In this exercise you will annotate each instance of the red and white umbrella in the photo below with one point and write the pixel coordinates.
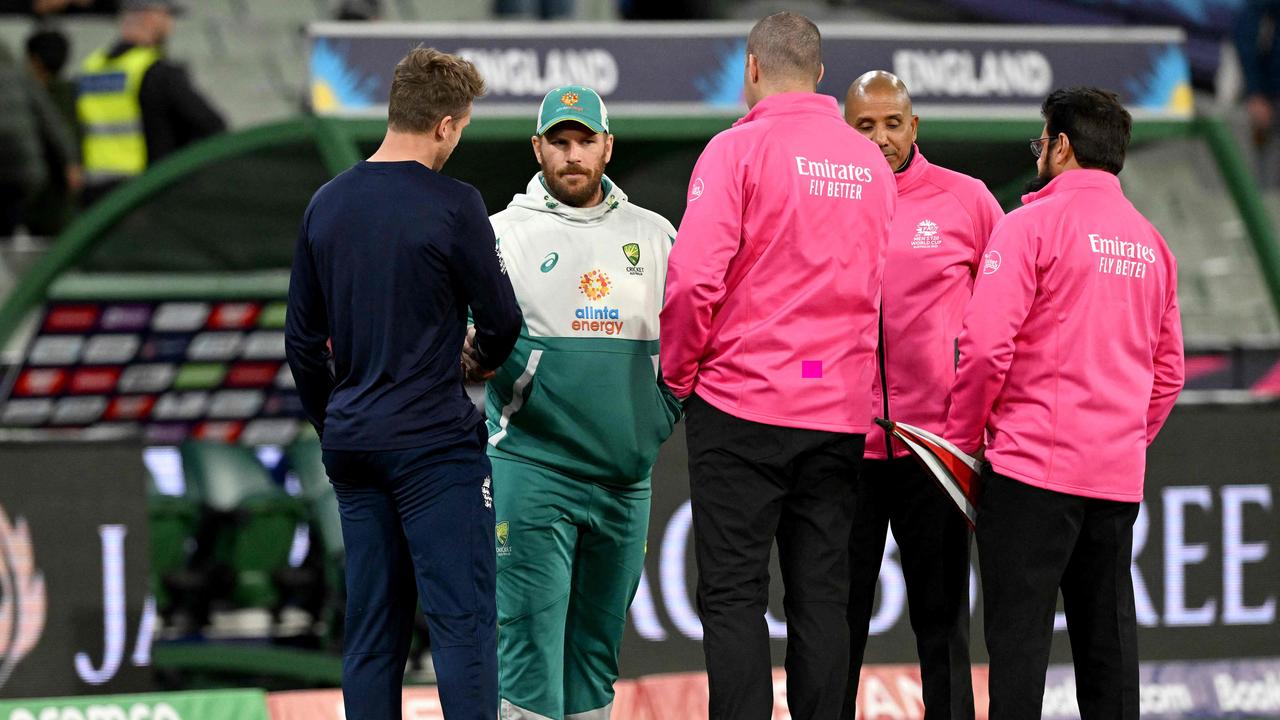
(955, 471)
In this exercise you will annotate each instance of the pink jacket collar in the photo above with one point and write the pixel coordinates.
(791, 102)
(1075, 180)
(914, 172)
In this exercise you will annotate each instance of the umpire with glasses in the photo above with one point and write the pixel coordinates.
(1070, 361)
(391, 256)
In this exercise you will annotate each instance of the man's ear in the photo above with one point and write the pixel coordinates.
(443, 128)
(608, 148)
(1064, 151)
(822, 69)
(537, 148)
(753, 68)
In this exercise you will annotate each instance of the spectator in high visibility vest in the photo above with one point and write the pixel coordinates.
(134, 106)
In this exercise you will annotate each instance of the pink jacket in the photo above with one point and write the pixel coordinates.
(1071, 353)
(940, 231)
(774, 280)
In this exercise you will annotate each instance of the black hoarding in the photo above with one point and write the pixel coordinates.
(1206, 570)
(74, 616)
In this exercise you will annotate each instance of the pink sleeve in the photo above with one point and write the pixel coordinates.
(1169, 370)
(1002, 297)
(709, 237)
(988, 213)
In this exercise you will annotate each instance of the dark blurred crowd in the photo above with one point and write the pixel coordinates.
(68, 135)
(1257, 41)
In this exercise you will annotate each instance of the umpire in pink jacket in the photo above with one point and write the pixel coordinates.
(940, 231)
(769, 331)
(1070, 361)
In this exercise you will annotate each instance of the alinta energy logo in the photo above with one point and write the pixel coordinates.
(595, 285)
(22, 595)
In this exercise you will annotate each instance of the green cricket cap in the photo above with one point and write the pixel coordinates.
(573, 102)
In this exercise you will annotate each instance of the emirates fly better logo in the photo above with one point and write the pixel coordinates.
(22, 596)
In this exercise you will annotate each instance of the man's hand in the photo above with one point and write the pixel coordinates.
(471, 369)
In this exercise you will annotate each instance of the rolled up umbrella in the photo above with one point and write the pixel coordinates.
(955, 471)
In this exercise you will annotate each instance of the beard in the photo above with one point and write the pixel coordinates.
(1042, 178)
(578, 194)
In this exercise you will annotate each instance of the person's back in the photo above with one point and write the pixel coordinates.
(398, 382)
(794, 342)
(768, 334)
(1071, 359)
(390, 258)
(1106, 282)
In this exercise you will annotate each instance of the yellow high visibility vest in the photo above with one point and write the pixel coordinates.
(110, 115)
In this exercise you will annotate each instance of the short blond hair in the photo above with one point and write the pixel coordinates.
(428, 86)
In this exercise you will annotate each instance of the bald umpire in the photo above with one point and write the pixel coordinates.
(940, 231)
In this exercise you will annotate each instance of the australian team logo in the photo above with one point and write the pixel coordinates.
(502, 531)
(22, 595)
(631, 251)
(569, 98)
(595, 284)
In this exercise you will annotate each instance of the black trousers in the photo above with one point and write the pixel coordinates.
(1031, 543)
(751, 483)
(933, 543)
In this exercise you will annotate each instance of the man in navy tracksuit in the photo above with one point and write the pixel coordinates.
(390, 258)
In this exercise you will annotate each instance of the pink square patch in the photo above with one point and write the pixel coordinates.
(810, 368)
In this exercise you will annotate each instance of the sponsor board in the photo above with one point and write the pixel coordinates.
(1206, 567)
(887, 691)
(74, 614)
(206, 705)
(673, 68)
(170, 370)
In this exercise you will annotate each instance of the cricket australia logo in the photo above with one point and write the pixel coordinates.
(22, 596)
(927, 235)
(502, 532)
(631, 251)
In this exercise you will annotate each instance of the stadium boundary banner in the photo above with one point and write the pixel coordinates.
(1206, 570)
(74, 610)
(207, 705)
(418, 703)
(696, 68)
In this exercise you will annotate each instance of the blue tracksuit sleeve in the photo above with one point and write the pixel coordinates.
(476, 263)
(306, 334)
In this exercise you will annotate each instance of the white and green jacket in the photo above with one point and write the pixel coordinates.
(582, 393)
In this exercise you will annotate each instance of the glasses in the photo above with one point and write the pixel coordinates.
(1038, 145)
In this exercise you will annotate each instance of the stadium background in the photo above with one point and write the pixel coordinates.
(166, 526)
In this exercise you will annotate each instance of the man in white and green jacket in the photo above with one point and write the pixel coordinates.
(576, 416)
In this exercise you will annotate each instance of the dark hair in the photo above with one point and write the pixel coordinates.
(787, 45)
(428, 86)
(50, 47)
(1095, 122)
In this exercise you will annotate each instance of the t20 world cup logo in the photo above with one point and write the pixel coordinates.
(22, 595)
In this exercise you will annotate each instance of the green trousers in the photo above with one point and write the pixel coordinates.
(570, 554)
